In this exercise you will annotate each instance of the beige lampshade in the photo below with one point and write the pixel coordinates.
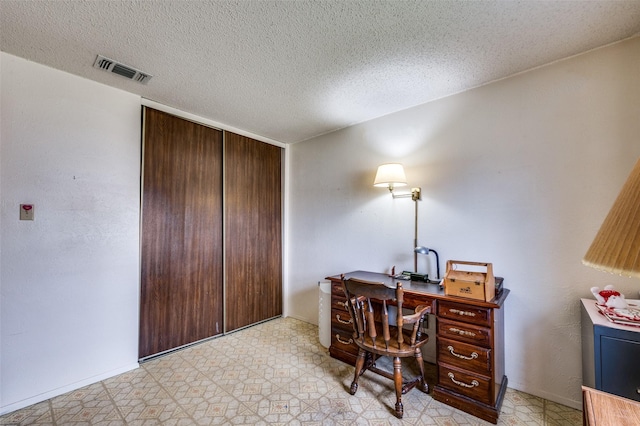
(616, 248)
(390, 175)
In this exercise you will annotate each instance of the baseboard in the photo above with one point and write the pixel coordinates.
(577, 405)
(307, 320)
(64, 389)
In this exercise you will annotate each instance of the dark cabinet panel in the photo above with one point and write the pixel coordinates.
(620, 363)
(181, 249)
(610, 353)
(253, 231)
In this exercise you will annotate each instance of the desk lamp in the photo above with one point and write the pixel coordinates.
(616, 248)
(425, 250)
(392, 175)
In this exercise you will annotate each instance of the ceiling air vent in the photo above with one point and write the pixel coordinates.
(131, 73)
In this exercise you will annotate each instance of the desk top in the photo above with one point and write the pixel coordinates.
(605, 409)
(431, 290)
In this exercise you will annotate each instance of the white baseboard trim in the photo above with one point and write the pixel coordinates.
(64, 389)
(308, 320)
(548, 396)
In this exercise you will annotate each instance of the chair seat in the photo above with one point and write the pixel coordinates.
(379, 347)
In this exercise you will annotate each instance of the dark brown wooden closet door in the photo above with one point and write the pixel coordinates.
(181, 282)
(253, 231)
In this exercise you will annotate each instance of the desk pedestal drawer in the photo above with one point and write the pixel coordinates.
(465, 356)
(343, 340)
(342, 318)
(465, 313)
(464, 332)
(465, 383)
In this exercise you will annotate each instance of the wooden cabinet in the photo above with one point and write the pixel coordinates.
(469, 343)
(211, 232)
(470, 358)
(610, 353)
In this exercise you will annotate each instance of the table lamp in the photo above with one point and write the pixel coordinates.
(427, 250)
(616, 248)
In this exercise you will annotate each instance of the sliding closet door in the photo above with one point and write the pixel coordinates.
(253, 231)
(181, 282)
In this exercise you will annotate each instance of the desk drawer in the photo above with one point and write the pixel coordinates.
(341, 318)
(412, 301)
(342, 339)
(338, 299)
(468, 333)
(465, 383)
(464, 355)
(337, 290)
(339, 303)
(466, 313)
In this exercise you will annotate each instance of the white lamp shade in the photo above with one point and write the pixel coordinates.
(390, 175)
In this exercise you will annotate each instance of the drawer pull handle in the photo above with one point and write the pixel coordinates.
(344, 342)
(474, 355)
(341, 321)
(462, 332)
(463, 313)
(473, 384)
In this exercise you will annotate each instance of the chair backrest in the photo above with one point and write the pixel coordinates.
(368, 303)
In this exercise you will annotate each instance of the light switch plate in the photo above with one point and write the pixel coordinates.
(26, 211)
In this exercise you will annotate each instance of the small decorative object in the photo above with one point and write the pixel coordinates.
(477, 282)
(612, 304)
(609, 297)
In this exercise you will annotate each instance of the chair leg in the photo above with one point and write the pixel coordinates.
(359, 365)
(423, 386)
(397, 380)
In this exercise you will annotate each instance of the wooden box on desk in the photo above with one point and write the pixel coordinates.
(472, 284)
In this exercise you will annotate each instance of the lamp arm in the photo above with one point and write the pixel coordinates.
(437, 263)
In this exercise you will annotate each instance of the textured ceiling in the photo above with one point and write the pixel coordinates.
(291, 70)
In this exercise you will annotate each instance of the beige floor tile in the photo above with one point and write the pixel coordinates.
(275, 373)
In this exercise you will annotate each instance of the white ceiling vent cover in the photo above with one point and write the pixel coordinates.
(131, 73)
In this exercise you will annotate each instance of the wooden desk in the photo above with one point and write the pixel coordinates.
(605, 409)
(469, 342)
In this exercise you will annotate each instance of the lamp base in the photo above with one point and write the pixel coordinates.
(413, 276)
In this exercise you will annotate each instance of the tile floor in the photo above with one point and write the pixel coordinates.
(275, 373)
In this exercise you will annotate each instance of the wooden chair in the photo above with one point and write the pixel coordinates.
(368, 303)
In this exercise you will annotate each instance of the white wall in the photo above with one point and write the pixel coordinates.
(519, 173)
(69, 280)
